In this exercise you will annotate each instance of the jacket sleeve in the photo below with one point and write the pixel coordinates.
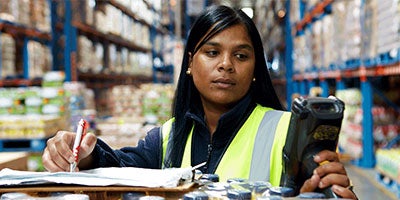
(146, 154)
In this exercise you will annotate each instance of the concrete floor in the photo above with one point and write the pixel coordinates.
(366, 184)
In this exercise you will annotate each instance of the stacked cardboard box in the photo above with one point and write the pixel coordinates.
(388, 24)
(40, 59)
(7, 44)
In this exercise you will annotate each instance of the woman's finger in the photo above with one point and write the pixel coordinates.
(326, 155)
(334, 179)
(330, 168)
(344, 192)
(49, 164)
(310, 184)
(87, 145)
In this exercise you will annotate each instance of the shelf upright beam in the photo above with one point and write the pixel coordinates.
(70, 33)
(303, 88)
(296, 88)
(154, 55)
(25, 59)
(340, 85)
(368, 157)
(188, 19)
(55, 49)
(311, 83)
(1, 58)
(67, 35)
(325, 88)
(288, 58)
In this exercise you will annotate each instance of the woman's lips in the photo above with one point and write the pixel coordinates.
(224, 82)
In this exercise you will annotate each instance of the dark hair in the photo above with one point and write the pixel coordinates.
(212, 21)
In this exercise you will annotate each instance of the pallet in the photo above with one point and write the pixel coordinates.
(352, 63)
(29, 145)
(370, 62)
(388, 58)
(389, 183)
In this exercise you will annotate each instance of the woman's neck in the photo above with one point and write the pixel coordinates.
(212, 115)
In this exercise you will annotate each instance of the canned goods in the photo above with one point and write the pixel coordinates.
(239, 194)
(132, 195)
(151, 198)
(280, 191)
(210, 177)
(312, 195)
(196, 195)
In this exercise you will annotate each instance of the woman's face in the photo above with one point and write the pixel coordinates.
(223, 68)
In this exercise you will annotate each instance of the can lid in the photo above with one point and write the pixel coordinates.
(239, 194)
(236, 180)
(76, 196)
(282, 191)
(210, 177)
(151, 198)
(273, 197)
(220, 186)
(311, 195)
(196, 195)
(132, 195)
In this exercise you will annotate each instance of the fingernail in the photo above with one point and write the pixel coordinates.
(335, 188)
(314, 178)
(321, 184)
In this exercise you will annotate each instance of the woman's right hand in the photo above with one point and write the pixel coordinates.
(58, 156)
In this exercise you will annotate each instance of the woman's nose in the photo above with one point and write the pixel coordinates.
(226, 64)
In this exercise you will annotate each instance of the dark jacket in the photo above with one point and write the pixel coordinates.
(147, 154)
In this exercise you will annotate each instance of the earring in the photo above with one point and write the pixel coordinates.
(188, 72)
(254, 79)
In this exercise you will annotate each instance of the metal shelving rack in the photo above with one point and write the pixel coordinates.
(71, 29)
(23, 33)
(301, 82)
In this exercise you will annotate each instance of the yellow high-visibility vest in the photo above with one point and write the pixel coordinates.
(254, 154)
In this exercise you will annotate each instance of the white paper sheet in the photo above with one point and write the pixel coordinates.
(125, 176)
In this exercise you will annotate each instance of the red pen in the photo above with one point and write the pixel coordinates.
(80, 132)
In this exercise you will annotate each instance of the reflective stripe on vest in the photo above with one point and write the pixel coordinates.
(256, 151)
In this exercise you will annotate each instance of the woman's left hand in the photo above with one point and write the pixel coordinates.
(332, 174)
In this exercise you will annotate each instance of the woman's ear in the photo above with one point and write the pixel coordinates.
(190, 58)
(188, 71)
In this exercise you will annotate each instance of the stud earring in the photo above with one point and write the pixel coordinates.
(188, 72)
(254, 79)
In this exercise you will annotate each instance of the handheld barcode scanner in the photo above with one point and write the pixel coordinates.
(314, 126)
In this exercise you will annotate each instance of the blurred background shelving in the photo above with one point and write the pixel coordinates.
(115, 62)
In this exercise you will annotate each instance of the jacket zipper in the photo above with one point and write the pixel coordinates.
(209, 149)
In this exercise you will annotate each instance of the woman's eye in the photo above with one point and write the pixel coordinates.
(212, 53)
(241, 56)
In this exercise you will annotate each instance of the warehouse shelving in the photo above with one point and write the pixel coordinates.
(73, 28)
(68, 29)
(62, 38)
(22, 34)
(22, 30)
(363, 70)
(269, 17)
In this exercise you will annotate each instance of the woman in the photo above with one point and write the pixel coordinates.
(226, 114)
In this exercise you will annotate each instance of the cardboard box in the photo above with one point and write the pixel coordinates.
(14, 160)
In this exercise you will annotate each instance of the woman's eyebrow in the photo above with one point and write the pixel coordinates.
(245, 46)
(212, 43)
(240, 46)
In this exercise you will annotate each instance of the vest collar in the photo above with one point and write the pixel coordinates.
(228, 122)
